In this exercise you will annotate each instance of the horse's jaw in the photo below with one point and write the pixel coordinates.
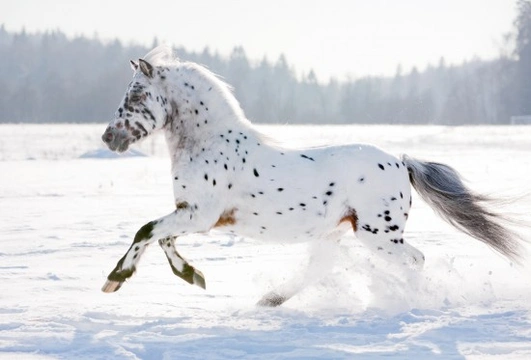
(120, 148)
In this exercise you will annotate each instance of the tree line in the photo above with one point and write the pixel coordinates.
(48, 77)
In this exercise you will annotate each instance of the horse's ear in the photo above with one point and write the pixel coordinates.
(146, 68)
(134, 65)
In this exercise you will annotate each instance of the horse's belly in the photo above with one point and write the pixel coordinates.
(282, 227)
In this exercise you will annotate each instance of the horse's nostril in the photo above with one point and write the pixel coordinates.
(107, 137)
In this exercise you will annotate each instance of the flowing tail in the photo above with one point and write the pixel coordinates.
(441, 187)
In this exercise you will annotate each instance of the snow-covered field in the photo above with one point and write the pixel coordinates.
(68, 213)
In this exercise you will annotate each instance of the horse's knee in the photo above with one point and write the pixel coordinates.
(145, 232)
(166, 243)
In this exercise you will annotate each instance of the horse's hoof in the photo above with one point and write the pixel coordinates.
(272, 299)
(111, 286)
(199, 279)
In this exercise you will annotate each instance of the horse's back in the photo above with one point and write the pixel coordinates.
(365, 174)
(350, 166)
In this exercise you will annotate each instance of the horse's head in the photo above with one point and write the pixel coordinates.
(143, 110)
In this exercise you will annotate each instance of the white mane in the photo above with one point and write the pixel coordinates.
(223, 89)
(161, 55)
(224, 101)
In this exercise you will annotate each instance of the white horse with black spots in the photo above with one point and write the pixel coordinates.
(227, 176)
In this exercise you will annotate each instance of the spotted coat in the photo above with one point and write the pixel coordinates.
(229, 177)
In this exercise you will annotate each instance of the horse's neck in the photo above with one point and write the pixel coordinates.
(205, 113)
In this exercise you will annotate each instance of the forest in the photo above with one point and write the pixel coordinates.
(47, 77)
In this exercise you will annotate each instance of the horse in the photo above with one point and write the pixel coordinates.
(227, 176)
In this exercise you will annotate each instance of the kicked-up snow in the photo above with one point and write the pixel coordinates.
(69, 211)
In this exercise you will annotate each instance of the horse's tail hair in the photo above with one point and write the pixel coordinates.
(441, 187)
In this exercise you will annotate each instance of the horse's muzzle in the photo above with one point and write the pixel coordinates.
(115, 139)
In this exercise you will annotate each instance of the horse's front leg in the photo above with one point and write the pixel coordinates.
(179, 265)
(182, 221)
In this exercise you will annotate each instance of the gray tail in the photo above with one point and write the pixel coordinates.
(442, 188)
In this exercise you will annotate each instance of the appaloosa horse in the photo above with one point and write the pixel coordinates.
(227, 176)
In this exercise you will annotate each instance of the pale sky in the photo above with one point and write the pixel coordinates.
(334, 37)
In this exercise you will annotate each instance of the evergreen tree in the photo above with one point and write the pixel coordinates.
(48, 77)
(523, 52)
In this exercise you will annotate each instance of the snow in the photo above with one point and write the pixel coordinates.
(108, 154)
(67, 219)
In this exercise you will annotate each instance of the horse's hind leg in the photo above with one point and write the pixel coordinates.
(322, 256)
(387, 241)
(395, 250)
